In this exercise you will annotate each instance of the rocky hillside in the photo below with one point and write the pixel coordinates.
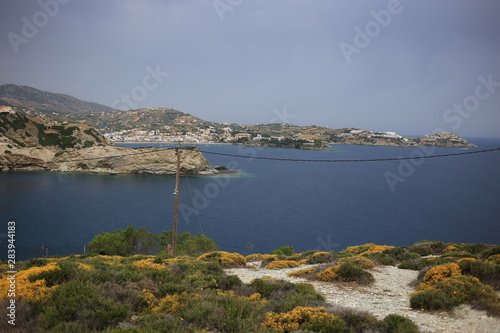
(23, 131)
(33, 99)
(107, 160)
(31, 144)
(148, 119)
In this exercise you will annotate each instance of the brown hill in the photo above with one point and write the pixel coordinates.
(43, 101)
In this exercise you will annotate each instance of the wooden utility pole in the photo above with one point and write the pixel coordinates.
(176, 205)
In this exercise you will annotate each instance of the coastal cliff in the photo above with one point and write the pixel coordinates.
(31, 144)
(107, 160)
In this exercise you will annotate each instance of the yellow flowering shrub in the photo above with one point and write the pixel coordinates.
(465, 288)
(494, 259)
(175, 261)
(358, 260)
(282, 264)
(303, 272)
(328, 274)
(84, 266)
(146, 264)
(438, 273)
(293, 320)
(226, 259)
(255, 297)
(320, 253)
(148, 298)
(170, 304)
(368, 248)
(450, 248)
(465, 260)
(30, 291)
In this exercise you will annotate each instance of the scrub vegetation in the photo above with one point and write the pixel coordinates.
(126, 291)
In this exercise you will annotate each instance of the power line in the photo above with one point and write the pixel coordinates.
(360, 160)
(90, 158)
(268, 158)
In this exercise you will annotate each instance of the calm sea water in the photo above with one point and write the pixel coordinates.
(326, 206)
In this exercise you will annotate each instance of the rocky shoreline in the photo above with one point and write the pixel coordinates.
(111, 160)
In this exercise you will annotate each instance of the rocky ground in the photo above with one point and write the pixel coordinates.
(388, 295)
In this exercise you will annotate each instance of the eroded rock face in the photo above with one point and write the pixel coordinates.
(108, 160)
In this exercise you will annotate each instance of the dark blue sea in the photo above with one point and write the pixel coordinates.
(308, 205)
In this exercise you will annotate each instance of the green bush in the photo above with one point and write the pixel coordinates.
(73, 327)
(400, 324)
(412, 264)
(88, 144)
(475, 248)
(230, 282)
(56, 276)
(421, 251)
(321, 258)
(338, 326)
(484, 271)
(284, 251)
(80, 301)
(359, 321)
(164, 323)
(223, 313)
(285, 296)
(349, 272)
(432, 300)
(382, 258)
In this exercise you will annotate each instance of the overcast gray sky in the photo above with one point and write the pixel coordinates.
(405, 66)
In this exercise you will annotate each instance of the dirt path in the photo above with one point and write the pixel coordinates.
(389, 294)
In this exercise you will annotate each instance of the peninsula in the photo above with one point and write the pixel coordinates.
(32, 144)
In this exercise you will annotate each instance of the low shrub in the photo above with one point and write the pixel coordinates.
(359, 261)
(80, 301)
(358, 321)
(485, 271)
(439, 273)
(260, 257)
(161, 323)
(284, 251)
(225, 259)
(306, 272)
(436, 247)
(421, 251)
(349, 272)
(465, 289)
(346, 272)
(279, 264)
(494, 259)
(329, 274)
(321, 257)
(367, 248)
(400, 324)
(223, 313)
(432, 300)
(411, 264)
(475, 248)
(230, 282)
(298, 318)
(382, 258)
(284, 295)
